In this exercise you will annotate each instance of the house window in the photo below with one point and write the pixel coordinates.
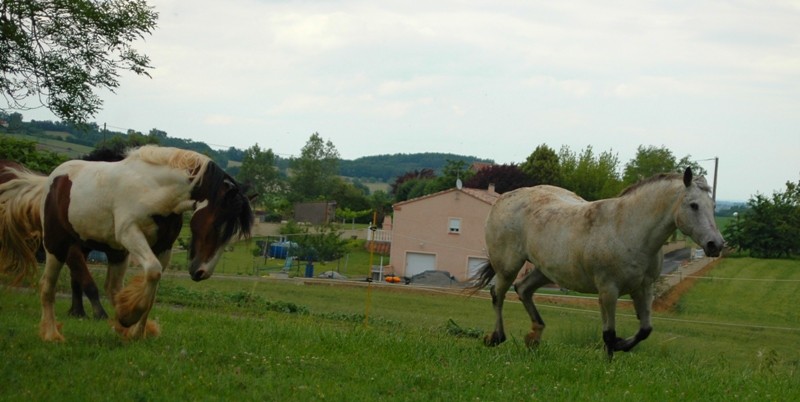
(455, 225)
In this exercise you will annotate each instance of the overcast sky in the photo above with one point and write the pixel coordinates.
(492, 79)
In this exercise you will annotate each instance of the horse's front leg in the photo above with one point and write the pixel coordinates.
(608, 310)
(642, 302)
(117, 266)
(134, 302)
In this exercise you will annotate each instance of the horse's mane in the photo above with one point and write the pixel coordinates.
(700, 181)
(193, 163)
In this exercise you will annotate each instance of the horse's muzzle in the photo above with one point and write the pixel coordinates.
(199, 275)
(713, 249)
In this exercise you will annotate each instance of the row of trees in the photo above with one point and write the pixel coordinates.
(314, 177)
(770, 226)
(592, 176)
(766, 227)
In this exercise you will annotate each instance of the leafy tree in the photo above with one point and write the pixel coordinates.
(133, 139)
(770, 228)
(25, 153)
(347, 195)
(14, 121)
(258, 170)
(543, 166)
(160, 134)
(504, 177)
(348, 214)
(324, 244)
(648, 162)
(423, 174)
(591, 176)
(652, 160)
(313, 173)
(381, 202)
(59, 53)
(412, 189)
(453, 170)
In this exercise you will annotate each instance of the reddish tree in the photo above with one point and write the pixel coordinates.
(504, 177)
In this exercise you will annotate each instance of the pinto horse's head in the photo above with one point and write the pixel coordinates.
(222, 211)
(695, 215)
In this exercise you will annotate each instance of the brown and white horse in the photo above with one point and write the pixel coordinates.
(81, 280)
(609, 247)
(133, 207)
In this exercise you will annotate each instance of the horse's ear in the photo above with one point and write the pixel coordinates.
(687, 177)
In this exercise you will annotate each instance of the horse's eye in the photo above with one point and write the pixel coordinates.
(694, 206)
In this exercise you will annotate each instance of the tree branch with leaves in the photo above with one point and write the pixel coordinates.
(57, 54)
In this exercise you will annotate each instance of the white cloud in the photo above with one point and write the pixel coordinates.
(506, 75)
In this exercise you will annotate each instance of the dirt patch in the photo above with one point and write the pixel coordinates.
(667, 301)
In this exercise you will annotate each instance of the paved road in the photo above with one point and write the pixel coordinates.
(673, 260)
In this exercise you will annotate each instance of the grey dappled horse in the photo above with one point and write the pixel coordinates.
(609, 247)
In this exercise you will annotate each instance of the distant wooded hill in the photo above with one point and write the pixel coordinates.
(65, 139)
(388, 167)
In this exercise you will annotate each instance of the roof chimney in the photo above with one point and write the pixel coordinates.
(491, 188)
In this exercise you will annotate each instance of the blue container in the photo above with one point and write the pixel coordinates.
(309, 270)
(281, 249)
(277, 251)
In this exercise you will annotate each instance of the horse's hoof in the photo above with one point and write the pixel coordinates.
(51, 334)
(494, 339)
(151, 329)
(76, 313)
(532, 340)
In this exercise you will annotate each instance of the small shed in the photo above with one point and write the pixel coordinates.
(315, 213)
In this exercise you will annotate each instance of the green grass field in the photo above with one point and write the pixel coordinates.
(237, 337)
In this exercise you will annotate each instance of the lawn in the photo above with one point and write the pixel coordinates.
(249, 338)
(238, 259)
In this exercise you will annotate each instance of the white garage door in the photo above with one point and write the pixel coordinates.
(474, 264)
(417, 263)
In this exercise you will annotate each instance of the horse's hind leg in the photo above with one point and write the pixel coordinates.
(498, 292)
(82, 282)
(49, 329)
(525, 289)
(76, 308)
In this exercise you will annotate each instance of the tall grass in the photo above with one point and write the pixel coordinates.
(248, 338)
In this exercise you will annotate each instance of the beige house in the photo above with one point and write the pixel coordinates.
(441, 231)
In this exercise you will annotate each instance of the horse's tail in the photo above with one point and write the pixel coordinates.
(482, 278)
(20, 222)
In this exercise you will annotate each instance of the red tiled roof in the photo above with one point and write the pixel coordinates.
(482, 195)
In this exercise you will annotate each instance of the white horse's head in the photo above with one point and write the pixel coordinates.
(695, 215)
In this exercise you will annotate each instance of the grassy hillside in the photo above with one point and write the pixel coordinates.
(61, 147)
(233, 339)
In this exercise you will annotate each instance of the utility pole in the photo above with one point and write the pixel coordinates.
(714, 189)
